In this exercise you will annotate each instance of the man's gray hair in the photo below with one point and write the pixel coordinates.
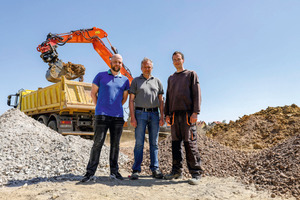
(146, 60)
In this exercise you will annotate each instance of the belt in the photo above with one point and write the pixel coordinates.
(147, 109)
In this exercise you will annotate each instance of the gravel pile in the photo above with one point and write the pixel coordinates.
(216, 159)
(32, 152)
(260, 130)
(276, 167)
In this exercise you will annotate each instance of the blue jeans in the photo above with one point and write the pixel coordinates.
(102, 124)
(150, 120)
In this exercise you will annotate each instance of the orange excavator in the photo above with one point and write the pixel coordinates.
(71, 71)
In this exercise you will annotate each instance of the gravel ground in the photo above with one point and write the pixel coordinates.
(39, 159)
(32, 152)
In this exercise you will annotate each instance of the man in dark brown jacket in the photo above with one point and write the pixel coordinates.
(182, 106)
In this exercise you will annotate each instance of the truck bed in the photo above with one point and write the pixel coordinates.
(65, 96)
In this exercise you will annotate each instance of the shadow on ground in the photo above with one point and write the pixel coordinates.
(146, 181)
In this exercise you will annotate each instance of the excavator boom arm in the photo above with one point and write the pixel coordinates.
(93, 35)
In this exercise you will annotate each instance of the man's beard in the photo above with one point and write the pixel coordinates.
(116, 69)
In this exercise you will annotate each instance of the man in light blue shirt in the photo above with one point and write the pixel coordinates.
(109, 92)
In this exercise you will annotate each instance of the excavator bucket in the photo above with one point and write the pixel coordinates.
(70, 70)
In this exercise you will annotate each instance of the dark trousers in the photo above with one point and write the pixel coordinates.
(185, 133)
(102, 124)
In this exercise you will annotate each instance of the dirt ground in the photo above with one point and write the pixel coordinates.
(145, 188)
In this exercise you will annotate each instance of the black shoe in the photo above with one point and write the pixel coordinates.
(173, 175)
(134, 175)
(86, 178)
(116, 176)
(157, 174)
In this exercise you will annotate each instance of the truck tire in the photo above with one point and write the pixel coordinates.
(43, 119)
(52, 124)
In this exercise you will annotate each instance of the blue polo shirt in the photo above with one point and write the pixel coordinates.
(110, 94)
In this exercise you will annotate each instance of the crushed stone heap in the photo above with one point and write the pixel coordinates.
(276, 167)
(32, 152)
(216, 159)
(259, 130)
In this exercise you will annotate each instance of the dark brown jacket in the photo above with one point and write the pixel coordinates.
(183, 93)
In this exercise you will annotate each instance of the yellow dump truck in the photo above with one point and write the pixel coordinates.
(65, 106)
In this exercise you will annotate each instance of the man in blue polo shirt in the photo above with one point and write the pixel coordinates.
(109, 93)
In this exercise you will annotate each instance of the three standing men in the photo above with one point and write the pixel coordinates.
(183, 100)
(182, 106)
(146, 98)
(113, 88)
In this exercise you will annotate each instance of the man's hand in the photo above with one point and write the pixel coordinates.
(161, 121)
(194, 118)
(133, 122)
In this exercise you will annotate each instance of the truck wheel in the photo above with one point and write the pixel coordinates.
(43, 119)
(52, 125)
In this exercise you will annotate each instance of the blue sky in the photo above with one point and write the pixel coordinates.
(245, 52)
